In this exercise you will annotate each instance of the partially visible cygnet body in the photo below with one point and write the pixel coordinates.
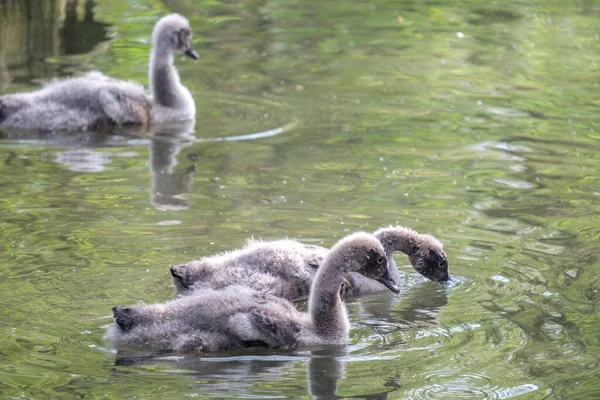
(283, 268)
(97, 102)
(238, 316)
(286, 268)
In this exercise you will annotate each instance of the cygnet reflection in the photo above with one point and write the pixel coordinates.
(232, 373)
(240, 372)
(422, 305)
(170, 187)
(89, 153)
(418, 305)
(327, 367)
(325, 370)
(83, 160)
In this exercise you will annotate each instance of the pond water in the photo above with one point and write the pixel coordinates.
(474, 121)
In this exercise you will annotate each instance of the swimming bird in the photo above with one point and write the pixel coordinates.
(96, 101)
(286, 268)
(238, 316)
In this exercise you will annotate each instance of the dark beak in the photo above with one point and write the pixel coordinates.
(192, 54)
(388, 282)
(445, 277)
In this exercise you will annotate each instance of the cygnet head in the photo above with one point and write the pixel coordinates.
(173, 32)
(430, 260)
(362, 252)
(425, 252)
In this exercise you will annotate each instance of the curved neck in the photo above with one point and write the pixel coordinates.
(397, 239)
(325, 305)
(164, 79)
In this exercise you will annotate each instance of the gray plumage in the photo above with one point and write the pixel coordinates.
(238, 316)
(97, 102)
(286, 268)
(172, 101)
(425, 252)
(283, 268)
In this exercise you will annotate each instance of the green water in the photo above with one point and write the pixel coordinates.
(476, 121)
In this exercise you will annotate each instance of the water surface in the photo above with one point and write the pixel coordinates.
(476, 122)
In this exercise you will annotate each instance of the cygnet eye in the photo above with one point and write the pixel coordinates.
(380, 260)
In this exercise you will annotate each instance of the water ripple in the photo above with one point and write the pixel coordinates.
(450, 384)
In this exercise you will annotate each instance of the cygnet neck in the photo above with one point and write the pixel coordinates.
(164, 80)
(326, 308)
(398, 239)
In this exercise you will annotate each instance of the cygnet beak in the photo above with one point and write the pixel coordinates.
(389, 283)
(192, 54)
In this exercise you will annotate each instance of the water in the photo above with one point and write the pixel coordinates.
(476, 122)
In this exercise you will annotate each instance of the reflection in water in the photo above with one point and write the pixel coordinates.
(32, 31)
(183, 7)
(423, 304)
(419, 306)
(220, 373)
(28, 35)
(324, 372)
(225, 373)
(4, 76)
(326, 368)
(170, 187)
(217, 374)
(83, 160)
(81, 36)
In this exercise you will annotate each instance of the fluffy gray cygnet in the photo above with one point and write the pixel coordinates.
(286, 268)
(96, 101)
(238, 316)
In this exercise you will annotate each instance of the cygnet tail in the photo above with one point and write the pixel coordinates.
(123, 318)
(10, 104)
(179, 276)
(4, 110)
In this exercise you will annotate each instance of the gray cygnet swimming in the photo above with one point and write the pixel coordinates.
(238, 316)
(286, 268)
(96, 101)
